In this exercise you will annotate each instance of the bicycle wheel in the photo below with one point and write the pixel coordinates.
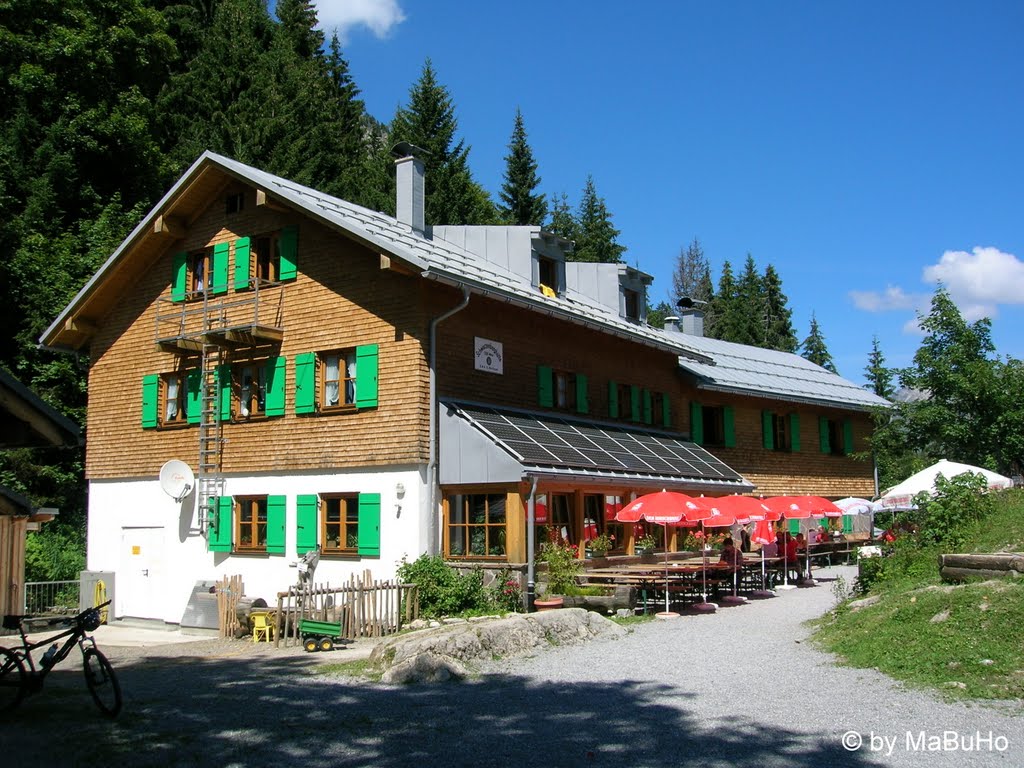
(13, 680)
(102, 682)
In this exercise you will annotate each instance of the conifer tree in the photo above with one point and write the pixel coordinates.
(779, 331)
(723, 305)
(429, 122)
(596, 236)
(691, 266)
(814, 348)
(562, 222)
(879, 377)
(705, 291)
(521, 204)
(747, 316)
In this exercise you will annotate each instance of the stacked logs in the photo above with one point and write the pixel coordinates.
(960, 567)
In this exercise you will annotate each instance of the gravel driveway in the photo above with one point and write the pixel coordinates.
(738, 688)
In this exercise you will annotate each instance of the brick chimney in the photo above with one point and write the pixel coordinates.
(409, 201)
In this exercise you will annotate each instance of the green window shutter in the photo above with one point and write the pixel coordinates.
(150, 400)
(847, 436)
(666, 410)
(179, 276)
(219, 534)
(794, 526)
(366, 375)
(242, 268)
(648, 406)
(696, 423)
(306, 506)
(545, 387)
(224, 392)
(823, 440)
(847, 523)
(276, 372)
(305, 383)
(275, 524)
(289, 252)
(634, 402)
(729, 424)
(219, 269)
(369, 524)
(794, 430)
(613, 400)
(582, 399)
(194, 393)
(767, 436)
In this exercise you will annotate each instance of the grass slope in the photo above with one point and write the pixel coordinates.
(965, 639)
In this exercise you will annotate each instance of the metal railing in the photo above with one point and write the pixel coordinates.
(51, 596)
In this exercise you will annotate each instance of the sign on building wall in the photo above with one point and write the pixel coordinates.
(487, 355)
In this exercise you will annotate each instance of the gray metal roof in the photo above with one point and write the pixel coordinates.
(771, 374)
(548, 444)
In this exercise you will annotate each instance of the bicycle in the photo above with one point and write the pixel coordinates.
(21, 676)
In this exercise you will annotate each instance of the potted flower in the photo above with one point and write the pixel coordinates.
(601, 545)
(645, 546)
(563, 566)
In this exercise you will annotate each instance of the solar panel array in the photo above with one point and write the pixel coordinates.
(548, 440)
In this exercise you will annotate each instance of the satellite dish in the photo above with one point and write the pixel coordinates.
(176, 479)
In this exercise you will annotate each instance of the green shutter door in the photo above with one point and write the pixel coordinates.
(242, 268)
(306, 506)
(276, 373)
(847, 436)
(729, 420)
(794, 430)
(666, 410)
(289, 253)
(275, 524)
(582, 394)
(179, 276)
(847, 523)
(613, 400)
(150, 400)
(823, 440)
(219, 269)
(696, 423)
(634, 402)
(366, 376)
(219, 534)
(194, 395)
(224, 392)
(305, 383)
(545, 387)
(369, 524)
(767, 436)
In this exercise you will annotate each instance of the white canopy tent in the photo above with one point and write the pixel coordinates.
(902, 496)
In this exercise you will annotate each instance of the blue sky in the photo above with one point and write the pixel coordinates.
(866, 150)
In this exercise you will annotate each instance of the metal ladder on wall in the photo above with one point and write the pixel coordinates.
(211, 438)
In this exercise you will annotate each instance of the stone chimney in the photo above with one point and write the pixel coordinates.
(409, 201)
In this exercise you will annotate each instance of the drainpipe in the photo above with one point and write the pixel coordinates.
(531, 530)
(433, 538)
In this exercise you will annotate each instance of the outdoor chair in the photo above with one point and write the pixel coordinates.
(262, 629)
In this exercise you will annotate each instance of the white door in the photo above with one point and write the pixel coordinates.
(139, 577)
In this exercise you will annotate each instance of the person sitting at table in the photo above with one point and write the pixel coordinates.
(731, 556)
(788, 551)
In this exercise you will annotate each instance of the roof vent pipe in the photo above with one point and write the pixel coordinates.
(409, 189)
(672, 324)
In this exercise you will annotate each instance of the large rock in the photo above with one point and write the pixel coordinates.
(444, 653)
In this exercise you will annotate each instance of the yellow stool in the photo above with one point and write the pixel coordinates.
(262, 629)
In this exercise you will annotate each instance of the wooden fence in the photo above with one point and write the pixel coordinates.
(361, 607)
(229, 590)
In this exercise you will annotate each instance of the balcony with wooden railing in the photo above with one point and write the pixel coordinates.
(230, 320)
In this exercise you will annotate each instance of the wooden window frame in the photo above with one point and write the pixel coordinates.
(234, 203)
(199, 267)
(247, 513)
(347, 527)
(782, 437)
(548, 268)
(265, 259)
(180, 378)
(346, 397)
(564, 383)
(495, 532)
(254, 410)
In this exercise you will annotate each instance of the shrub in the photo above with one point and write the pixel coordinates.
(506, 594)
(443, 591)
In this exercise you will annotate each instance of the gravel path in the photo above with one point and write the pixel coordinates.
(738, 688)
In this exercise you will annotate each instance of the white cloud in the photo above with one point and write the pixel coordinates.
(380, 16)
(980, 280)
(894, 297)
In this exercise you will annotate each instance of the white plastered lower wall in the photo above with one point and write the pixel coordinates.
(152, 544)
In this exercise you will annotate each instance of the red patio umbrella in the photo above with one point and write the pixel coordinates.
(743, 507)
(664, 508)
(710, 516)
(764, 533)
